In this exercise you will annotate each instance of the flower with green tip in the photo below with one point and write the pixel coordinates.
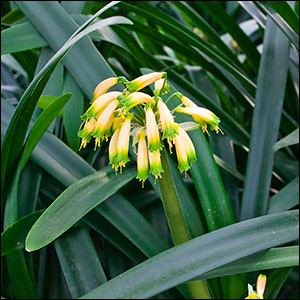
(260, 288)
(106, 84)
(136, 98)
(99, 104)
(104, 122)
(123, 143)
(142, 158)
(188, 144)
(155, 164)
(112, 149)
(167, 120)
(86, 132)
(202, 116)
(161, 86)
(182, 158)
(152, 131)
(143, 81)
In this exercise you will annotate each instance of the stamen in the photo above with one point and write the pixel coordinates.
(217, 129)
(97, 143)
(142, 180)
(204, 129)
(156, 153)
(83, 144)
(170, 145)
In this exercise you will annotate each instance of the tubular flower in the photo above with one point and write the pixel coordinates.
(188, 144)
(123, 143)
(136, 98)
(144, 80)
(86, 132)
(109, 116)
(183, 162)
(99, 104)
(142, 159)
(167, 120)
(186, 101)
(104, 122)
(105, 85)
(202, 116)
(152, 131)
(161, 85)
(260, 287)
(155, 164)
(112, 149)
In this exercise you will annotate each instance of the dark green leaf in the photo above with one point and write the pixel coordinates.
(13, 238)
(200, 255)
(266, 120)
(74, 203)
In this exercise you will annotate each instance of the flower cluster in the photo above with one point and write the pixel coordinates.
(117, 115)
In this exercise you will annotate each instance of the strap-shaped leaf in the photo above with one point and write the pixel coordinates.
(266, 120)
(75, 248)
(42, 123)
(200, 255)
(286, 198)
(291, 139)
(74, 203)
(273, 258)
(13, 238)
(16, 131)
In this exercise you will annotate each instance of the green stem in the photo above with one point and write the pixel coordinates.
(170, 98)
(177, 223)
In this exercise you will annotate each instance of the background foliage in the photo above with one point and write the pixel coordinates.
(107, 237)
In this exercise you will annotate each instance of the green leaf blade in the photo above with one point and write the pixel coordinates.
(74, 203)
(200, 255)
(266, 120)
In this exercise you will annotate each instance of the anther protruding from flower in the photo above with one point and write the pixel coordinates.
(155, 164)
(99, 104)
(161, 85)
(106, 84)
(86, 132)
(136, 98)
(104, 122)
(167, 120)
(142, 159)
(152, 131)
(144, 80)
(188, 144)
(183, 162)
(202, 116)
(260, 288)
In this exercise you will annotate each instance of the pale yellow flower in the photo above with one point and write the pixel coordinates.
(99, 104)
(104, 122)
(152, 131)
(142, 158)
(143, 81)
(202, 116)
(167, 120)
(136, 98)
(86, 132)
(155, 164)
(106, 84)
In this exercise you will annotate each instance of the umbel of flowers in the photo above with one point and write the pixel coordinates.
(115, 116)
